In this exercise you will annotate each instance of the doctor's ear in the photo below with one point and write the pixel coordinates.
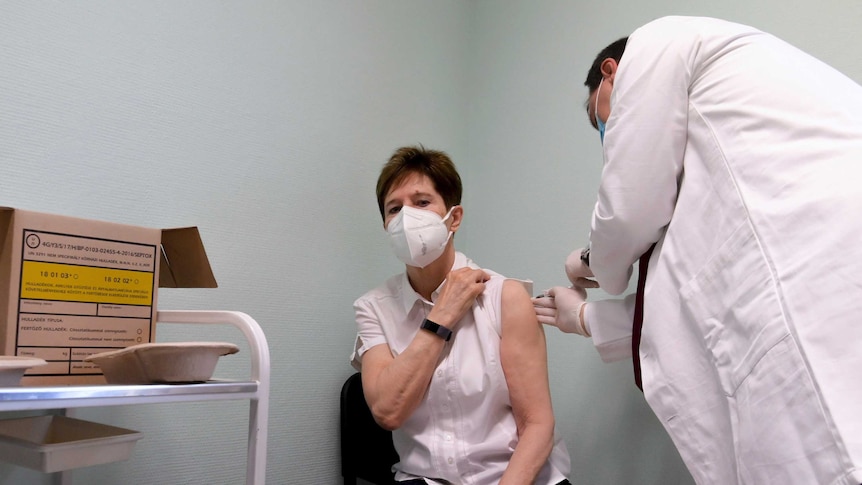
(609, 69)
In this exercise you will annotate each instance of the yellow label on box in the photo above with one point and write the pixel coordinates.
(64, 282)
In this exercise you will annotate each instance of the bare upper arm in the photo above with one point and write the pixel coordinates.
(524, 356)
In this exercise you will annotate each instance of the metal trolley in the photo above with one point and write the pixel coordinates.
(256, 389)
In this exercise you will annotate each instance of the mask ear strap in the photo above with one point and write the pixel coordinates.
(596, 110)
(448, 238)
(451, 233)
(449, 213)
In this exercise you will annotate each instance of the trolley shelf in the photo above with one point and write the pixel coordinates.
(21, 398)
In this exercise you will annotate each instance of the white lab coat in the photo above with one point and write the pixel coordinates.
(741, 156)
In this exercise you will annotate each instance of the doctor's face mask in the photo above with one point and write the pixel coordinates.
(418, 236)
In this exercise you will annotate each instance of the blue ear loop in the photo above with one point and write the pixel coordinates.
(599, 123)
(601, 129)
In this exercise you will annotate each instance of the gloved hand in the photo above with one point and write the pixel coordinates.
(578, 272)
(561, 307)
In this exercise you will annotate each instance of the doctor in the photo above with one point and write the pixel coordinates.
(739, 158)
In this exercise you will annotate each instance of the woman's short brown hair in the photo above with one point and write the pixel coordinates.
(434, 164)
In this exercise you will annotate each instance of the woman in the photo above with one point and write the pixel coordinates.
(452, 356)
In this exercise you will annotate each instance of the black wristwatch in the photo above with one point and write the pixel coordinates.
(585, 256)
(438, 330)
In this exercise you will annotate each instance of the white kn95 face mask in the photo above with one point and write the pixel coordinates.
(418, 236)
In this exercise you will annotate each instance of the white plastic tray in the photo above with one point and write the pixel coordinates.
(56, 443)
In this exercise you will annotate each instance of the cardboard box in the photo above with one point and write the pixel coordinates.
(73, 287)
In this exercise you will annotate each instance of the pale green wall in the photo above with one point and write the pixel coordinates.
(265, 124)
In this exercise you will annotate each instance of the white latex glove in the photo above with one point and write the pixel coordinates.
(561, 307)
(578, 272)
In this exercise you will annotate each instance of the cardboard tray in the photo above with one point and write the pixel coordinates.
(13, 367)
(56, 443)
(170, 363)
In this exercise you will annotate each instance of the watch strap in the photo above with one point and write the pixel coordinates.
(436, 329)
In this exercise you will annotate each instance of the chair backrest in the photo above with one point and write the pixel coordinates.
(366, 448)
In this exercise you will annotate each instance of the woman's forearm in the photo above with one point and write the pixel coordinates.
(535, 443)
(394, 387)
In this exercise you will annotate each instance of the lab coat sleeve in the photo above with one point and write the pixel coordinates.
(611, 327)
(644, 146)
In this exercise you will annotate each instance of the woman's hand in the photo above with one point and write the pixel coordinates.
(460, 290)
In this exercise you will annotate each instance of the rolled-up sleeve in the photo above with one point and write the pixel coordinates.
(369, 332)
(611, 327)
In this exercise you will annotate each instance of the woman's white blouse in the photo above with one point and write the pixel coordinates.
(464, 431)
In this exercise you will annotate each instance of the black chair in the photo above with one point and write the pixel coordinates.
(367, 452)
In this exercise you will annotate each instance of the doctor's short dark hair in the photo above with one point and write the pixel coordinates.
(434, 164)
(614, 51)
